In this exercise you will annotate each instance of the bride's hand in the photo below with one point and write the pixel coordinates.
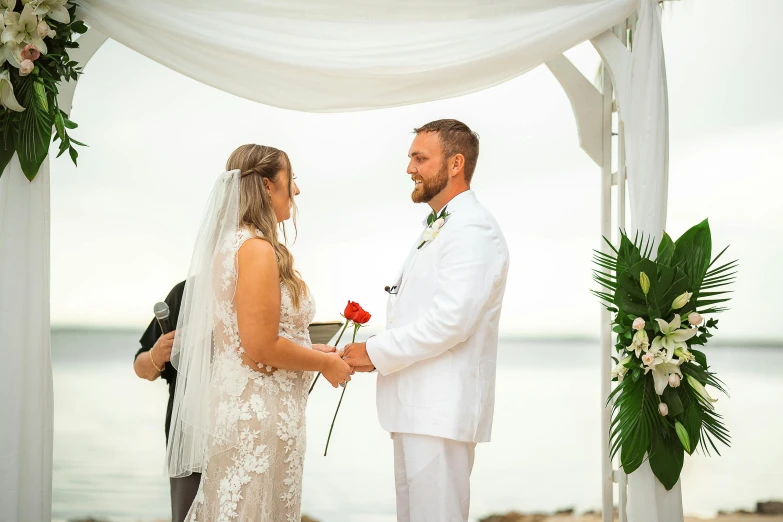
(324, 348)
(336, 370)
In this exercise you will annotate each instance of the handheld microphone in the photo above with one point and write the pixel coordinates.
(162, 314)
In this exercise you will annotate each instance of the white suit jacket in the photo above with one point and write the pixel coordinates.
(437, 357)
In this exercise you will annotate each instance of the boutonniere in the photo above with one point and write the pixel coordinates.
(434, 224)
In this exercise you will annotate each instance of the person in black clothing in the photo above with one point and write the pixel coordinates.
(152, 361)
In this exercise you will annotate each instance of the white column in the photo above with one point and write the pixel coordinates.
(26, 407)
(647, 149)
(607, 487)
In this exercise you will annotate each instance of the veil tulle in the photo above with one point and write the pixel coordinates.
(209, 288)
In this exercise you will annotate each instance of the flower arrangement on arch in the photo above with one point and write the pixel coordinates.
(35, 37)
(662, 408)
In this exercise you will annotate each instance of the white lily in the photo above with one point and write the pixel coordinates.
(661, 372)
(620, 370)
(698, 388)
(23, 29)
(684, 354)
(681, 300)
(7, 5)
(672, 337)
(7, 98)
(54, 9)
(12, 53)
(640, 343)
(662, 366)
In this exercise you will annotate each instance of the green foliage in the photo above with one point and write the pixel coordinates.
(6, 149)
(666, 459)
(638, 430)
(29, 133)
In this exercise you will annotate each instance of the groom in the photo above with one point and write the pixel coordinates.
(437, 357)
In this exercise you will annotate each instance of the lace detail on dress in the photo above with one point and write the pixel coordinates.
(255, 472)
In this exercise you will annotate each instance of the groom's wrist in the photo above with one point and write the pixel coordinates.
(376, 352)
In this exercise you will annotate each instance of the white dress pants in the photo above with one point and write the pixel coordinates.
(432, 476)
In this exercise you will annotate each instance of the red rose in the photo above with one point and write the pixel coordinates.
(354, 312)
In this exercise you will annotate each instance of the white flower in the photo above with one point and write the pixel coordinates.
(26, 67)
(638, 324)
(430, 234)
(695, 319)
(661, 373)
(6, 6)
(10, 51)
(7, 98)
(684, 354)
(681, 300)
(54, 9)
(672, 337)
(674, 380)
(433, 229)
(45, 31)
(663, 409)
(640, 343)
(620, 370)
(698, 388)
(662, 366)
(22, 29)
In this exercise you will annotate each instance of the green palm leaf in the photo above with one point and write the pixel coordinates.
(35, 126)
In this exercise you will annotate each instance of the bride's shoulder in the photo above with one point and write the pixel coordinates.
(256, 251)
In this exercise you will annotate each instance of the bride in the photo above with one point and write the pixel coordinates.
(243, 351)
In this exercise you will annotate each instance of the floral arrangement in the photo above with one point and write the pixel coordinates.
(34, 43)
(662, 408)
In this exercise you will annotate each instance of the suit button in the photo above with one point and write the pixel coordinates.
(391, 319)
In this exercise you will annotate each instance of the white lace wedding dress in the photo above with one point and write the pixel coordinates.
(258, 442)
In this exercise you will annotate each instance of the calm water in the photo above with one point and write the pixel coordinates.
(109, 442)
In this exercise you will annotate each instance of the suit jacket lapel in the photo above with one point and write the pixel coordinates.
(411, 261)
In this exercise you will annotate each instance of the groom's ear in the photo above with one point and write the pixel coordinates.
(456, 164)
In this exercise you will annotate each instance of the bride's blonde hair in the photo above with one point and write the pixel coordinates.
(256, 162)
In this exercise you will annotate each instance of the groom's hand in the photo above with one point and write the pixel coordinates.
(355, 354)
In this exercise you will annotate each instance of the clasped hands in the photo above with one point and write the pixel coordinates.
(353, 358)
(355, 354)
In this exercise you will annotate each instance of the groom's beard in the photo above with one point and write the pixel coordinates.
(430, 188)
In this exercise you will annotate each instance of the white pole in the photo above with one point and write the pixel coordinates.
(606, 333)
(622, 479)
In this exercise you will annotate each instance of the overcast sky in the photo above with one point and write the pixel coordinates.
(124, 222)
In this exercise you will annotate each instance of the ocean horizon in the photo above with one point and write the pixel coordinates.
(109, 442)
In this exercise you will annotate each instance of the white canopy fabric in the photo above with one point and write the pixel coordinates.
(309, 55)
(338, 55)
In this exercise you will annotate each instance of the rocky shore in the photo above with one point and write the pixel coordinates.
(765, 512)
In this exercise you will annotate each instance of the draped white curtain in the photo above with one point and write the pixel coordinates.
(26, 406)
(338, 55)
(309, 55)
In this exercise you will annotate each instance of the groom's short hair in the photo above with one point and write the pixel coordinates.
(456, 138)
